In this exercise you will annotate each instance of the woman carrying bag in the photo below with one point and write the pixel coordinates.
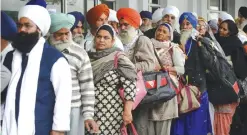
(173, 60)
(110, 111)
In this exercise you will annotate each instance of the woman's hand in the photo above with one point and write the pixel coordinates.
(127, 114)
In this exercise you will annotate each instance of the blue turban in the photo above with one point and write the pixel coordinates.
(8, 27)
(146, 14)
(78, 17)
(190, 17)
(37, 2)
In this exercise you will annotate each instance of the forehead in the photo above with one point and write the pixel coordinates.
(123, 21)
(25, 20)
(201, 22)
(103, 33)
(185, 21)
(103, 16)
(224, 25)
(169, 15)
(161, 27)
(63, 30)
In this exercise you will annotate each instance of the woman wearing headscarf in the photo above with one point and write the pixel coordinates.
(173, 60)
(196, 122)
(232, 46)
(110, 111)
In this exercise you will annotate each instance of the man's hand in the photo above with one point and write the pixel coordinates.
(56, 133)
(91, 124)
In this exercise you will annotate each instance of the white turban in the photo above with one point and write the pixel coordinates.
(157, 15)
(171, 10)
(113, 16)
(39, 15)
(225, 16)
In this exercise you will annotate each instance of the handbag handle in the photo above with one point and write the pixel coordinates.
(116, 59)
(124, 129)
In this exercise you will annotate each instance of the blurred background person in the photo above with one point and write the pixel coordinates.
(146, 17)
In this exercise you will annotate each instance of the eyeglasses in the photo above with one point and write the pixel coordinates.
(201, 26)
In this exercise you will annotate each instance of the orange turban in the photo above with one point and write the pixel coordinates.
(94, 13)
(130, 15)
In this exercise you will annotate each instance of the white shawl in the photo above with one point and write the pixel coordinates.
(26, 120)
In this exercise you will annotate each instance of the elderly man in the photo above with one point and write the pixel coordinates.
(200, 118)
(170, 15)
(77, 29)
(157, 17)
(242, 17)
(83, 98)
(96, 17)
(146, 21)
(8, 31)
(140, 51)
(39, 94)
(113, 21)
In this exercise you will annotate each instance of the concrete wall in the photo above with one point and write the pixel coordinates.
(238, 4)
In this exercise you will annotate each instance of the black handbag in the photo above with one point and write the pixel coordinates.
(160, 87)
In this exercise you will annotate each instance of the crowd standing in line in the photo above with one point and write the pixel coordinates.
(55, 81)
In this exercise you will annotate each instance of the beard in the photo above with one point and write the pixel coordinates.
(145, 28)
(24, 42)
(78, 38)
(128, 35)
(185, 35)
(60, 45)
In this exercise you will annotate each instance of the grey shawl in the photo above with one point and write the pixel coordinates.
(103, 62)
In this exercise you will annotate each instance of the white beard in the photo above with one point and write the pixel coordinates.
(60, 45)
(185, 35)
(127, 36)
(78, 38)
(144, 28)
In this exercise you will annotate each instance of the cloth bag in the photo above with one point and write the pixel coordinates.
(140, 88)
(189, 97)
(160, 87)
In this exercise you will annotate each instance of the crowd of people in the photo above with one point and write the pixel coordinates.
(58, 79)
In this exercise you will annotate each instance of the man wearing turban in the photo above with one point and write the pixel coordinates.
(39, 93)
(242, 17)
(113, 21)
(140, 51)
(169, 15)
(77, 29)
(8, 31)
(96, 17)
(81, 73)
(195, 73)
(146, 21)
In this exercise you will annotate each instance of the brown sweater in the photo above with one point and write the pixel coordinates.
(144, 58)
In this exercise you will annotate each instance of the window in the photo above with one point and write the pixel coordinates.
(153, 5)
(215, 6)
(110, 3)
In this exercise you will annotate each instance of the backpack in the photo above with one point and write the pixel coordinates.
(222, 83)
